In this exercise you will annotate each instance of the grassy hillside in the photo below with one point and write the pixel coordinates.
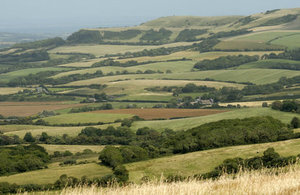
(183, 124)
(204, 161)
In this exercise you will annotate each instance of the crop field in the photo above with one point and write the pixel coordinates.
(10, 90)
(50, 175)
(81, 64)
(204, 161)
(21, 130)
(187, 123)
(85, 118)
(150, 114)
(31, 108)
(248, 104)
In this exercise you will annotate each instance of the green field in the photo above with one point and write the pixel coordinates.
(12, 75)
(85, 118)
(289, 41)
(265, 36)
(204, 161)
(50, 175)
(183, 124)
(21, 130)
(246, 45)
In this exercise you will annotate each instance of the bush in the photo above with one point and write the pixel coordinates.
(295, 122)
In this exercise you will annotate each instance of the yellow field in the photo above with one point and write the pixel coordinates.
(266, 181)
(248, 104)
(10, 90)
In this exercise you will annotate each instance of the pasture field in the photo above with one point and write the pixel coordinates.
(21, 130)
(204, 161)
(291, 42)
(50, 175)
(32, 108)
(12, 75)
(81, 64)
(86, 117)
(248, 104)
(150, 114)
(10, 90)
(187, 123)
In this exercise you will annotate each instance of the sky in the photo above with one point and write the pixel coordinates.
(59, 16)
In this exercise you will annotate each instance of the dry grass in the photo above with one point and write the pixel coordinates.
(279, 181)
(10, 90)
(248, 104)
(31, 108)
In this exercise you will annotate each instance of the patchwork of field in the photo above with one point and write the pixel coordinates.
(204, 161)
(150, 114)
(21, 130)
(86, 117)
(187, 123)
(31, 108)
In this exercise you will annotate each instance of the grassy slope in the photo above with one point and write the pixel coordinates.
(72, 148)
(50, 175)
(183, 124)
(204, 161)
(267, 63)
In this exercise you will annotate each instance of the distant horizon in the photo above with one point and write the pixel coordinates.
(59, 17)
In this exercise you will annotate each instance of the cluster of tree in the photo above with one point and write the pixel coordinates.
(156, 36)
(9, 140)
(122, 35)
(91, 108)
(229, 33)
(20, 159)
(288, 54)
(188, 88)
(190, 34)
(43, 78)
(147, 143)
(246, 20)
(225, 94)
(287, 106)
(110, 62)
(225, 62)
(48, 43)
(270, 159)
(288, 66)
(280, 20)
(31, 56)
(206, 45)
(85, 36)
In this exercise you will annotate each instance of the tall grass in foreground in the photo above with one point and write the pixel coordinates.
(267, 181)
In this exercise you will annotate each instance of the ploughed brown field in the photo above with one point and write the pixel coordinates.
(31, 108)
(159, 113)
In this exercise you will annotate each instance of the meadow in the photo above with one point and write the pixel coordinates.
(10, 90)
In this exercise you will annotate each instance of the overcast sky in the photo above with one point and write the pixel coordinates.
(70, 15)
